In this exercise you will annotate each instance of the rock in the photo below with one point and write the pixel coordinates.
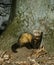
(3, 53)
(38, 52)
(1, 60)
(32, 61)
(49, 58)
(5, 9)
(0, 53)
(5, 1)
(22, 63)
(6, 57)
(8, 63)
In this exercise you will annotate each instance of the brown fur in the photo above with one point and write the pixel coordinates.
(25, 38)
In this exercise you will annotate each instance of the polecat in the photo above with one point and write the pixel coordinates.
(28, 40)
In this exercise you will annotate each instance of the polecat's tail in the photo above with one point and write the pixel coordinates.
(14, 47)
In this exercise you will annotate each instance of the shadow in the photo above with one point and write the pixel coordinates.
(13, 10)
(15, 46)
(1, 31)
(28, 45)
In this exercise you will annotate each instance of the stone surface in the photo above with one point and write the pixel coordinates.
(6, 57)
(30, 15)
(1, 61)
(5, 9)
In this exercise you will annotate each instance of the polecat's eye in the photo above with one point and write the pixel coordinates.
(37, 37)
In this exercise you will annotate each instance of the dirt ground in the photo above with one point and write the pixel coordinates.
(24, 54)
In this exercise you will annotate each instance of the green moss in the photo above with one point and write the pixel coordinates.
(10, 36)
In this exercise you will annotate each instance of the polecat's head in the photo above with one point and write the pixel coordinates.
(38, 34)
(37, 38)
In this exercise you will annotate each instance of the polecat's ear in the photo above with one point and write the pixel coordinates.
(41, 33)
(41, 36)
